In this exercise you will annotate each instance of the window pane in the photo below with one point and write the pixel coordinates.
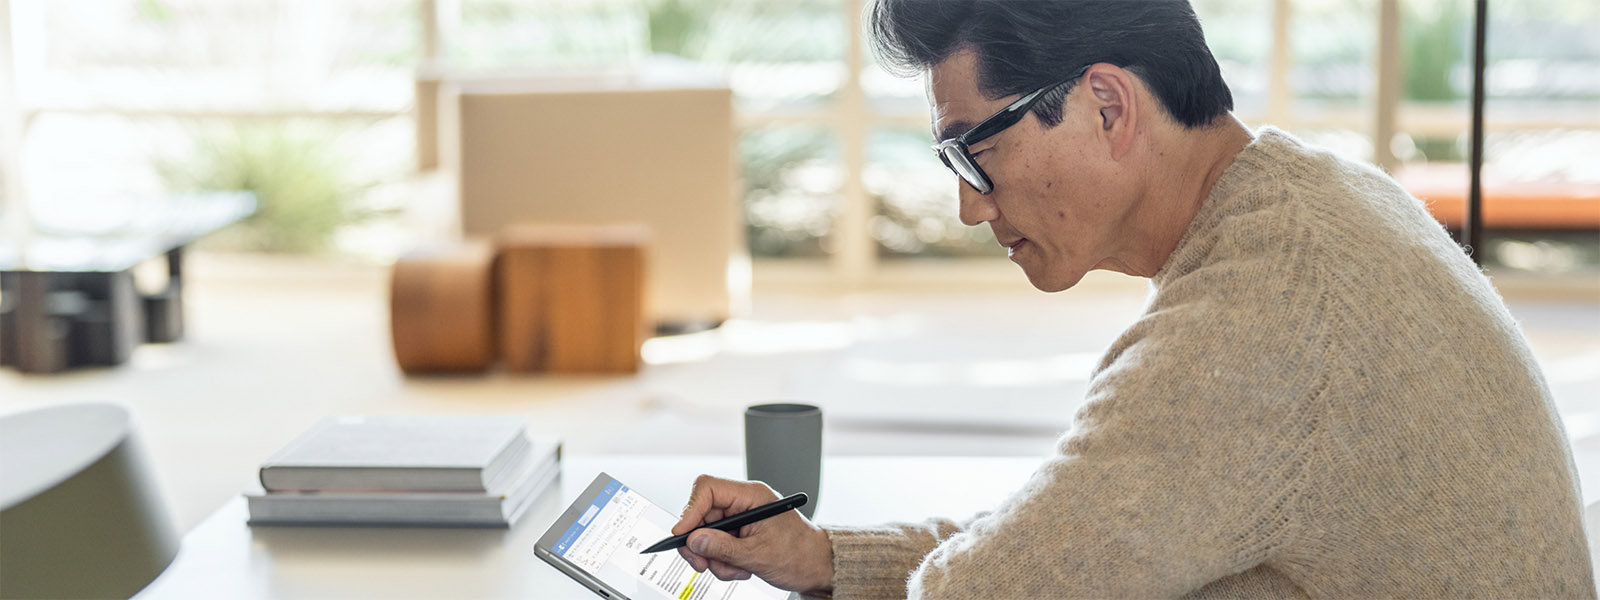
(780, 55)
(499, 34)
(1541, 73)
(791, 176)
(1239, 33)
(777, 55)
(205, 54)
(1333, 44)
(916, 199)
(129, 100)
(74, 187)
(312, 176)
(1542, 86)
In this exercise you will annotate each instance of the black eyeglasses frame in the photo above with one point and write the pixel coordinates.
(956, 152)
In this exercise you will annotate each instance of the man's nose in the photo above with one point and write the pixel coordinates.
(976, 209)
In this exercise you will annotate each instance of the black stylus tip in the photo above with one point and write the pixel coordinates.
(657, 547)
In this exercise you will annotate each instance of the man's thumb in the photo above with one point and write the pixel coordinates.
(715, 544)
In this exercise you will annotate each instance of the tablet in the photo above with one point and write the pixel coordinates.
(598, 539)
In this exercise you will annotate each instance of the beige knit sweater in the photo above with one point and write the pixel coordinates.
(1323, 398)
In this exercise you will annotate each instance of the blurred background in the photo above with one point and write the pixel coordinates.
(312, 104)
(852, 283)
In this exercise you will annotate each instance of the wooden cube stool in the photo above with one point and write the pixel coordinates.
(441, 309)
(571, 297)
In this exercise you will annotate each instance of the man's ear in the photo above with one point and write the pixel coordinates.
(1113, 89)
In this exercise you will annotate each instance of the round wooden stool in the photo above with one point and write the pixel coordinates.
(441, 309)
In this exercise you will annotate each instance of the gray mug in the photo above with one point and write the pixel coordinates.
(783, 447)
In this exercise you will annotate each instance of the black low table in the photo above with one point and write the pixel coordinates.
(68, 299)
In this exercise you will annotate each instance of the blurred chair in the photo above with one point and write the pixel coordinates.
(80, 516)
(441, 309)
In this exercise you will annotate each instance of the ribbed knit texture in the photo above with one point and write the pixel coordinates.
(1324, 397)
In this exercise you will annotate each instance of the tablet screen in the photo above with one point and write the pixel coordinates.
(614, 525)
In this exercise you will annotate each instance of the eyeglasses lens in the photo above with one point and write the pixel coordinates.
(963, 166)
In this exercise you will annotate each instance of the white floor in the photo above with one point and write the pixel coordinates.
(978, 369)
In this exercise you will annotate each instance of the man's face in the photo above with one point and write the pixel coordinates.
(1056, 201)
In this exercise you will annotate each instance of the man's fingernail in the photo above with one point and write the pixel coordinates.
(697, 543)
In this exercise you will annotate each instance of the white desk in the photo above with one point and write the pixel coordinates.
(224, 558)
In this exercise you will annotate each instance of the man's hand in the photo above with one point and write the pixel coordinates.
(787, 550)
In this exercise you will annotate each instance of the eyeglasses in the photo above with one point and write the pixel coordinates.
(956, 154)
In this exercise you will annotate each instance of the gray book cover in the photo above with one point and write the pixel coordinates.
(434, 452)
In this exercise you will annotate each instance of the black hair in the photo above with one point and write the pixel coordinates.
(1023, 45)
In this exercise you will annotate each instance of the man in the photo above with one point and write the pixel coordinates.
(1323, 398)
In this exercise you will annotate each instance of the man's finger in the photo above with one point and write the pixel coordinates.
(727, 572)
(720, 546)
(700, 502)
(696, 562)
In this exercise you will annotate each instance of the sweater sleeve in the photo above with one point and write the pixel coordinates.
(1182, 468)
(873, 562)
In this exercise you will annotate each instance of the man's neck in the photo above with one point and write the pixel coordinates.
(1172, 201)
(1218, 148)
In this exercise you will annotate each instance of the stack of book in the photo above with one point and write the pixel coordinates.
(468, 471)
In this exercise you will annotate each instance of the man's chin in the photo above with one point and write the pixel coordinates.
(1053, 281)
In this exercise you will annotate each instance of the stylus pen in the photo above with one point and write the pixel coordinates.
(733, 523)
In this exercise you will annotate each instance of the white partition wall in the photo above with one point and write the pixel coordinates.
(537, 152)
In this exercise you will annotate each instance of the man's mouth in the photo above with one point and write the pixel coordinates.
(1011, 247)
